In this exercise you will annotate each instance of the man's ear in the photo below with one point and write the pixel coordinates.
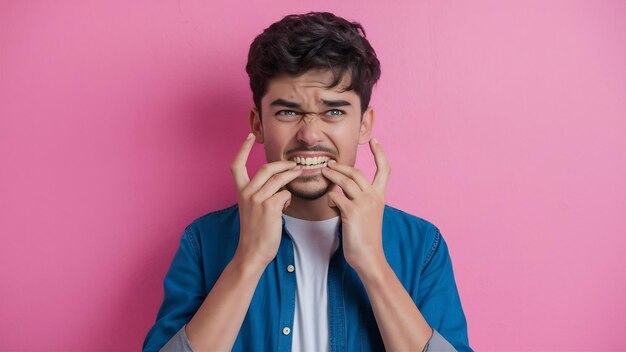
(367, 123)
(256, 125)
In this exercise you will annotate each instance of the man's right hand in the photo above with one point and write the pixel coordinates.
(260, 205)
(216, 324)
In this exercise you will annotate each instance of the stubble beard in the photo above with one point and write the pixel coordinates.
(306, 191)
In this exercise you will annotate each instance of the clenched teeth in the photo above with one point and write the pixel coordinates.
(312, 162)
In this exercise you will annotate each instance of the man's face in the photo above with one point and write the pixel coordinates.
(307, 123)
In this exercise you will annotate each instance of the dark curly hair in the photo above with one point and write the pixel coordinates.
(316, 40)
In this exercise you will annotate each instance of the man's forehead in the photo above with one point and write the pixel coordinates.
(310, 85)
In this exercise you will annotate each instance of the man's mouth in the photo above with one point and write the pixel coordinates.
(314, 162)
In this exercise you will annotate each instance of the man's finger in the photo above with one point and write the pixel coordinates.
(267, 171)
(338, 200)
(276, 182)
(333, 188)
(349, 187)
(353, 173)
(238, 167)
(281, 199)
(382, 167)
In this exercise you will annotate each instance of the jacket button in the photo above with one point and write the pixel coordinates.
(286, 330)
(291, 268)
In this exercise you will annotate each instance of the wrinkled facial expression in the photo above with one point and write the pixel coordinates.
(305, 122)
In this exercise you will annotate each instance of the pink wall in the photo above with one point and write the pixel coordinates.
(504, 123)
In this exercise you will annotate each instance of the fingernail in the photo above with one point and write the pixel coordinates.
(250, 135)
(375, 140)
(332, 161)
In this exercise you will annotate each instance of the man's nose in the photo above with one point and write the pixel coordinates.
(310, 129)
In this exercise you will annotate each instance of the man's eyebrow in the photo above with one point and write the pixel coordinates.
(291, 104)
(283, 102)
(335, 103)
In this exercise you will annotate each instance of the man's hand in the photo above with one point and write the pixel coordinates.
(401, 324)
(361, 208)
(260, 205)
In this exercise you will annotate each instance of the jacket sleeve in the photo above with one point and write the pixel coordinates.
(178, 343)
(184, 292)
(438, 299)
(438, 343)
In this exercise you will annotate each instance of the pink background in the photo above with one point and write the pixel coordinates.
(504, 123)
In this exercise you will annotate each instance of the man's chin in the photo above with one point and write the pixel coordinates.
(309, 191)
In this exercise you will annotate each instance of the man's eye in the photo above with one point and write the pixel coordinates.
(287, 113)
(335, 112)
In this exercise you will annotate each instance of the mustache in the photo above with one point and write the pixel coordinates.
(316, 148)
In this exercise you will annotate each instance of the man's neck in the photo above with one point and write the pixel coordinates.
(313, 210)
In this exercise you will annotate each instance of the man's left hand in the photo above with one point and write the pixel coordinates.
(361, 206)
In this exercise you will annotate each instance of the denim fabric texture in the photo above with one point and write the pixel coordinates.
(414, 248)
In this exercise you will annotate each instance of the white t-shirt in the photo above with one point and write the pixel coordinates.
(314, 244)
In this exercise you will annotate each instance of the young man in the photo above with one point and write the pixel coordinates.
(295, 265)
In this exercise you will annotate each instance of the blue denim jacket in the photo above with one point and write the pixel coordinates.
(414, 248)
